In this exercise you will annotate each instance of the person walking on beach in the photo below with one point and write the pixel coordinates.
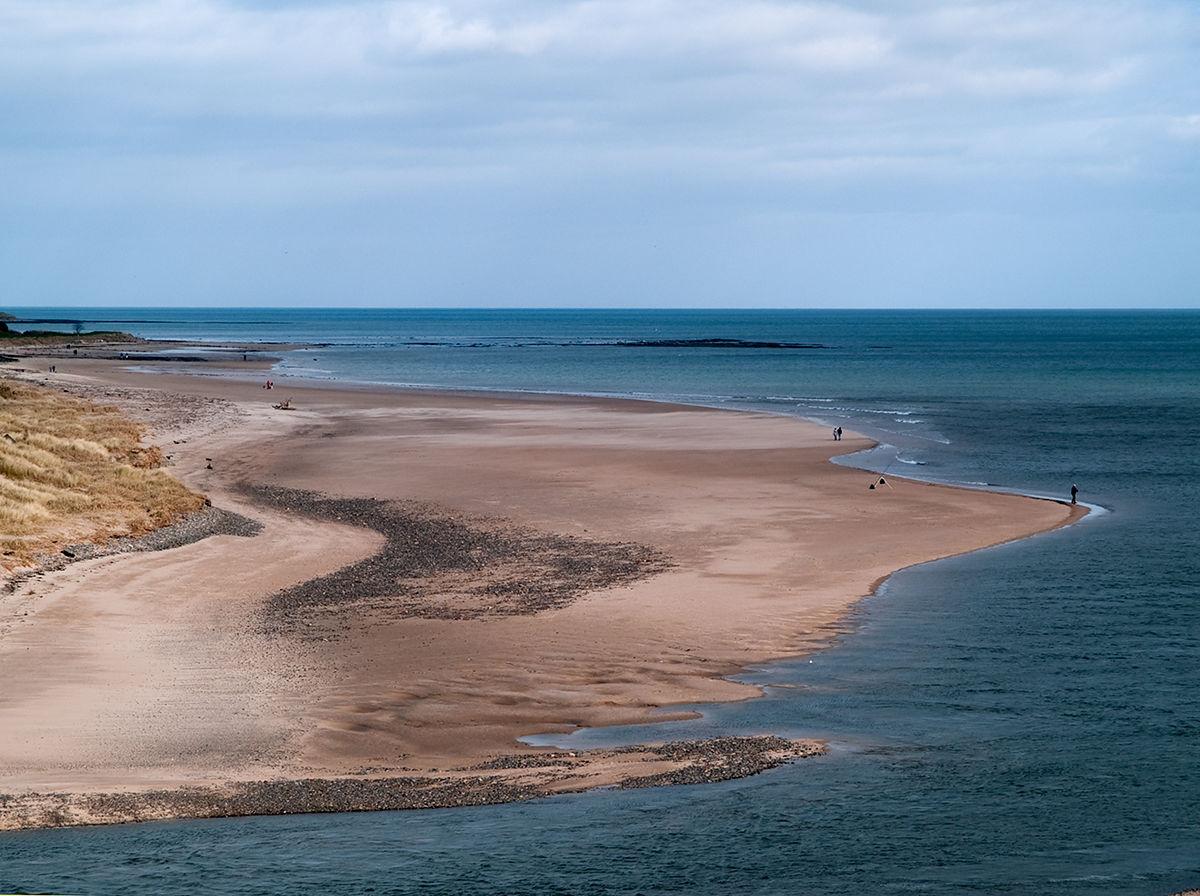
(839, 433)
(1074, 493)
(835, 438)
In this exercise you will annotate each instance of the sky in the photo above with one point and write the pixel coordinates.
(647, 153)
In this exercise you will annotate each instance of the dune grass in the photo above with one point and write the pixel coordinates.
(72, 471)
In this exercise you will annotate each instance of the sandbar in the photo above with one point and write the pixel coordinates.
(435, 576)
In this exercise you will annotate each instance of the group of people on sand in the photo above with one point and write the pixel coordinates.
(269, 384)
(837, 433)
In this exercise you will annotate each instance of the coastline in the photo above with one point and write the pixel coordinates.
(642, 677)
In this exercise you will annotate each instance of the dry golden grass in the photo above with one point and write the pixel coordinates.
(72, 471)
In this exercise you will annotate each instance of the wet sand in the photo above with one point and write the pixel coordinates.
(529, 565)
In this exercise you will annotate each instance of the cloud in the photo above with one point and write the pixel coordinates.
(1186, 127)
(605, 108)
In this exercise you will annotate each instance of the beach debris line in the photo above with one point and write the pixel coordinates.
(439, 565)
(196, 526)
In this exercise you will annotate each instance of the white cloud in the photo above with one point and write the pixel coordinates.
(1186, 127)
(683, 89)
(1033, 81)
(180, 30)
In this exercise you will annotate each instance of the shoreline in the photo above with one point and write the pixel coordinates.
(634, 453)
(487, 392)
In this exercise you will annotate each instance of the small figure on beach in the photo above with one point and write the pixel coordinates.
(269, 384)
(835, 437)
(1074, 493)
(839, 433)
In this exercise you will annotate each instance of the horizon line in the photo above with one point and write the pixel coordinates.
(872, 309)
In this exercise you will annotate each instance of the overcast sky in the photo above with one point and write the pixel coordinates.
(610, 152)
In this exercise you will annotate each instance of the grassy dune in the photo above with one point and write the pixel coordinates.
(72, 471)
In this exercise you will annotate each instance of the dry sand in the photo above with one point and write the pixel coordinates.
(157, 671)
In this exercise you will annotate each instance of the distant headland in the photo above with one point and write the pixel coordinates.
(12, 336)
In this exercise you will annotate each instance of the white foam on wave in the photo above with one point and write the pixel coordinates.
(882, 412)
(924, 437)
(880, 458)
(797, 398)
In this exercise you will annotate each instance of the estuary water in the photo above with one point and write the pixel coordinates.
(1020, 720)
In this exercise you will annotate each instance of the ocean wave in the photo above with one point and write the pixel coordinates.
(787, 399)
(933, 437)
(881, 412)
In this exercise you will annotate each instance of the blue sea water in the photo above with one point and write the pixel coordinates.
(1019, 720)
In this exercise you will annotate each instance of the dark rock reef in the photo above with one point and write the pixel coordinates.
(711, 342)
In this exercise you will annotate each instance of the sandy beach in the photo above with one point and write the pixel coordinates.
(434, 576)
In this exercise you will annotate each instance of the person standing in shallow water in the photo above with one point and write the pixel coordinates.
(1074, 493)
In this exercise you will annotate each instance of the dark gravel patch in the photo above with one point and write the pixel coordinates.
(192, 528)
(256, 798)
(704, 761)
(312, 795)
(527, 760)
(721, 759)
(438, 566)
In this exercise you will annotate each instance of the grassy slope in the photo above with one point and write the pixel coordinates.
(72, 471)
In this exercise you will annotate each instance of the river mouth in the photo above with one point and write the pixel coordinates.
(1019, 720)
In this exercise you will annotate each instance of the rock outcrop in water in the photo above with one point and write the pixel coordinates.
(710, 343)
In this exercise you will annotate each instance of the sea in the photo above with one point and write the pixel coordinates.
(1024, 719)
